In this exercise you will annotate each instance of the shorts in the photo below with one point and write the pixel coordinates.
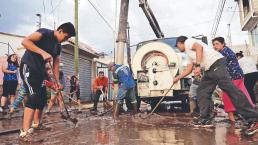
(9, 88)
(54, 93)
(33, 83)
(193, 90)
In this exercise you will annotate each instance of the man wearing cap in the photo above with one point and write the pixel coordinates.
(215, 74)
(123, 77)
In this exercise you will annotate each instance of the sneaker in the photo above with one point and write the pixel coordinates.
(202, 122)
(40, 127)
(25, 136)
(28, 138)
(47, 112)
(195, 114)
(212, 115)
(31, 130)
(69, 109)
(93, 109)
(239, 124)
(252, 129)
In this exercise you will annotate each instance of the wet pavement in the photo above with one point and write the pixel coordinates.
(157, 129)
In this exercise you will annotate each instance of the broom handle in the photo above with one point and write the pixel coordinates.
(162, 99)
(53, 75)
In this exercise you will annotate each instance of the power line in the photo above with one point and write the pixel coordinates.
(191, 25)
(178, 28)
(53, 9)
(53, 14)
(233, 14)
(44, 9)
(103, 18)
(219, 5)
(51, 3)
(116, 14)
(217, 18)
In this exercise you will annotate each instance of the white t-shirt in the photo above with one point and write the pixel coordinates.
(185, 59)
(247, 64)
(209, 55)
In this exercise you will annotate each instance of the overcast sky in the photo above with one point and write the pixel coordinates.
(176, 17)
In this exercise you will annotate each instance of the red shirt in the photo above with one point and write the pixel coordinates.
(100, 82)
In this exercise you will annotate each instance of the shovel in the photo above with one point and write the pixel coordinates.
(68, 117)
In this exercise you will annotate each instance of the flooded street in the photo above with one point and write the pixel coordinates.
(157, 129)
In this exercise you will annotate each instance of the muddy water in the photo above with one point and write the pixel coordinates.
(162, 129)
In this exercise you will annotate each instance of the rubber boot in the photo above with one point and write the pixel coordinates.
(94, 109)
(134, 108)
(116, 110)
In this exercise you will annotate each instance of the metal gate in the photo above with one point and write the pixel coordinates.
(85, 67)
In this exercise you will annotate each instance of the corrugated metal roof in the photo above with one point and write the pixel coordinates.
(71, 41)
(14, 35)
(82, 46)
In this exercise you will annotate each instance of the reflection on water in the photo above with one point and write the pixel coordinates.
(102, 137)
(128, 131)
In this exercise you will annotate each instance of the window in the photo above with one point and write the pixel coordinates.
(246, 7)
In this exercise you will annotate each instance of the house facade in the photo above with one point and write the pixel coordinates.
(248, 11)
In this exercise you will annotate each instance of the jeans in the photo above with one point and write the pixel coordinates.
(123, 93)
(96, 98)
(22, 92)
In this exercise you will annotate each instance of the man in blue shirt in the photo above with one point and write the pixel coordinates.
(123, 77)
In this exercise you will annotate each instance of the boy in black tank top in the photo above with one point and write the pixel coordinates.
(42, 46)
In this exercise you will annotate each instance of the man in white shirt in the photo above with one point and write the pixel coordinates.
(215, 74)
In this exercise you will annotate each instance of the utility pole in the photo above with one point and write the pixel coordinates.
(39, 23)
(76, 48)
(121, 38)
(229, 37)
